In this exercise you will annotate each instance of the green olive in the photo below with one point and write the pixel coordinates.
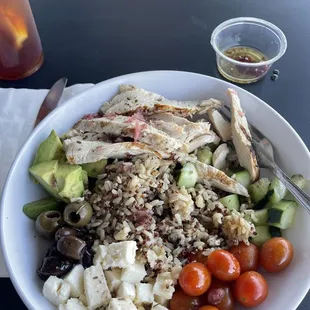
(48, 222)
(78, 214)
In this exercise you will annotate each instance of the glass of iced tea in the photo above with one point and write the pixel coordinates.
(20, 45)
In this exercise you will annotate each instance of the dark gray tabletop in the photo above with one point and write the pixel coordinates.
(94, 40)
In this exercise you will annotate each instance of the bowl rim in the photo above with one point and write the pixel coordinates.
(250, 20)
(70, 101)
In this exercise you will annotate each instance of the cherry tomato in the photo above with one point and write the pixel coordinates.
(208, 308)
(276, 254)
(195, 279)
(181, 301)
(220, 295)
(250, 289)
(247, 256)
(223, 265)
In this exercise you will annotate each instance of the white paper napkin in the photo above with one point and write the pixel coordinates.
(18, 111)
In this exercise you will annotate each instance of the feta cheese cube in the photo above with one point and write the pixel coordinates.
(56, 290)
(72, 304)
(164, 285)
(156, 306)
(121, 304)
(75, 278)
(120, 254)
(101, 253)
(161, 300)
(134, 273)
(126, 290)
(82, 298)
(96, 289)
(113, 277)
(144, 293)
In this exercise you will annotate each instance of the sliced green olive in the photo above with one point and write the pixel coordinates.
(78, 214)
(48, 222)
(72, 247)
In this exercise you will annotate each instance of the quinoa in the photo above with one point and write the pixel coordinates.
(140, 200)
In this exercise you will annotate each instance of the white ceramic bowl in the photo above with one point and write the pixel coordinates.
(23, 250)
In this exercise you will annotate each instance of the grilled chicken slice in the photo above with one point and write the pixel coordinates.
(178, 127)
(200, 141)
(242, 137)
(134, 128)
(82, 152)
(220, 124)
(216, 177)
(131, 100)
(219, 157)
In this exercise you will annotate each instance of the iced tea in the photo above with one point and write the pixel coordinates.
(20, 45)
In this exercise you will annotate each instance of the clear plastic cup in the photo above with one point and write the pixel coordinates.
(254, 33)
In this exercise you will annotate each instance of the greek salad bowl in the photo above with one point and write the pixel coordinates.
(138, 193)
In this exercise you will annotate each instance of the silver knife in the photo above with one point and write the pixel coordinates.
(51, 100)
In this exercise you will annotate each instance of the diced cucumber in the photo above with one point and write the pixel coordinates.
(242, 177)
(231, 202)
(282, 214)
(188, 176)
(275, 232)
(263, 202)
(205, 155)
(35, 208)
(259, 189)
(300, 181)
(262, 235)
(261, 217)
(279, 192)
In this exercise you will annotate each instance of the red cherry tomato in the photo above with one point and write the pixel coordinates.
(223, 265)
(247, 256)
(250, 289)
(181, 301)
(195, 279)
(276, 254)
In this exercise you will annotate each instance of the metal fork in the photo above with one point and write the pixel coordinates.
(265, 153)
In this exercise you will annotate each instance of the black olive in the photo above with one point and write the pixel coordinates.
(54, 266)
(71, 247)
(87, 259)
(65, 231)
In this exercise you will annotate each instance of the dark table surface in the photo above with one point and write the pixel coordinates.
(94, 40)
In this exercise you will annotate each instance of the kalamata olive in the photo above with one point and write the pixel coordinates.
(65, 231)
(78, 214)
(48, 222)
(71, 247)
(87, 259)
(54, 266)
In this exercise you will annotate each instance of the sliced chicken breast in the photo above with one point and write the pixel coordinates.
(81, 152)
(134, 128)
(200, 141)
(220, 124)
(131, 100)
(242, 137)
(219, 157)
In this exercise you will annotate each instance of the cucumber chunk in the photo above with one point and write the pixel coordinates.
(262, 235)
(261, 217)
(275, 232)
(205, 155)
(279, 191)
(259, 189)
(300, 181)
(188, 176)
(35, 208)
(231, 202)
(282, 214)
(263, 202)
(242, 177)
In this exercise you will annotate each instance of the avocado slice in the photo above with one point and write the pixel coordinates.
(94, 169)
(69, 179)
(50, 149)
(85, 177)
(44, 173)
